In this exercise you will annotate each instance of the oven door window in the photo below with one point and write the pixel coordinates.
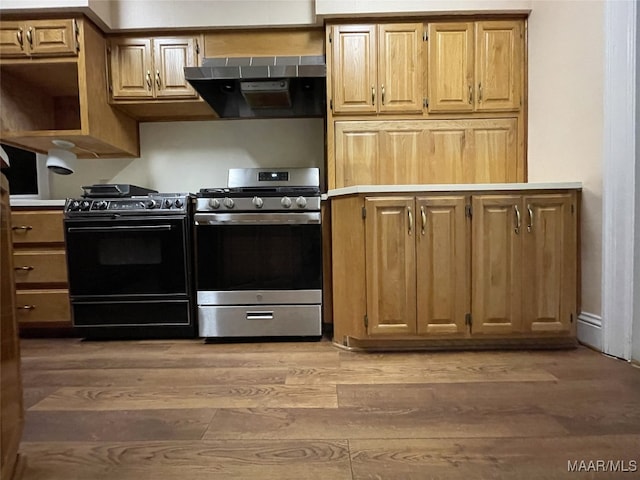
(259, 257)
(126, 257)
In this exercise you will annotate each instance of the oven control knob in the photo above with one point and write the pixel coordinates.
(168, 203)
(258, 202)
(285, 202)
(151, 204)
(102, 205)
(178, 203)
(84, 205)
(228, 202)
(74, 205)
(214, 203)
(301, 202)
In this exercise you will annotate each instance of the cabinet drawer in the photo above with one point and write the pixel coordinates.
(37, 227)
(42, 306)
(46, 266)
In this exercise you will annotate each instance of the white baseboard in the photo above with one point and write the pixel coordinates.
(590, 330)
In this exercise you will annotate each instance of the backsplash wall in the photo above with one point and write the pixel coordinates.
(186, 156)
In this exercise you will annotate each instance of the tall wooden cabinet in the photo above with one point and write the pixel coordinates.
(11, 406)
(376, 68)
(455, 268)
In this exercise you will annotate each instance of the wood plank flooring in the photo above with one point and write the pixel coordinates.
(131, 410)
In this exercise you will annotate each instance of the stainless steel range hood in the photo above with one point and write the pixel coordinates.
(262, 87)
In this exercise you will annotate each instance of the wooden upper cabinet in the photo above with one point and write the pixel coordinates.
(377, 68)
(450, 69)
(152, 68)
(39, 38)
(475, 66)
(390, 227)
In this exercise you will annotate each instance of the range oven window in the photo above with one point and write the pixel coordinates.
(126, 256)
(259, 257)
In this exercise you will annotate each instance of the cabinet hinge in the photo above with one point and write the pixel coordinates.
(468, 210)
(425, 35)
(197, 47)
(571, 318)
(364, 212)
(467, 319)
(425, 102)
(76, 30)
(331, 104)
(330, 38)
(366, 321)
(573, 208)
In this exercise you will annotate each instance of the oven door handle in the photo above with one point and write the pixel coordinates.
(297, 218)
(131, 228)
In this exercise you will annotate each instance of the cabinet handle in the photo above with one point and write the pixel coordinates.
(23, 228)
(26, 268)
(480, 93)
(30, 36)
(26, 307)
(518, 219)
(382, 94)
(410, 220)
(158, 83)
(148, 80)
(423, 214)
(530, 226)
(19, 37)
(470, 95)
(373, 95)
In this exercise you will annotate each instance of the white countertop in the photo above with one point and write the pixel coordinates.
(453, 187)
(24, 202)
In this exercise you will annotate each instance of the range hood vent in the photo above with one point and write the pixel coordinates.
(262, 87)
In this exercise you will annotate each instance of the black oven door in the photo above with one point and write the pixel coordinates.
(128, 256)
(242, 252)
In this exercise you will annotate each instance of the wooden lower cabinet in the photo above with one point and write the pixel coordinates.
(455, 270)
(39, 262)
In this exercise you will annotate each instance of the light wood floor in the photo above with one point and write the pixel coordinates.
(186, 410)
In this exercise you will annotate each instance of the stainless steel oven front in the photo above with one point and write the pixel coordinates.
(259, 274)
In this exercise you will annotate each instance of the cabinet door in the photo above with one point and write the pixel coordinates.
(171, 55)
(132, 68)
(354, 69)
(53, 37)
(499, 47)
(357, 154)
(400, 153)
(400, 68)
(496, 253)
(443, 158)
(450, 73)
(442, 269)
(491, 152)
(390, 265)
(549, 263)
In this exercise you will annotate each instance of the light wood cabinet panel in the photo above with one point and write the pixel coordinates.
(37, 226)
(49, 37)
(400, 67)
(442, 253)
(354, 68)
(450, 70)
(131, 67)
(498, 65)
(377, 68)
(152, 68)
(405, 152)
(475, 66)
(43, 306)
(549, 263)
(496, 256)
(390, 264)
(40, 266)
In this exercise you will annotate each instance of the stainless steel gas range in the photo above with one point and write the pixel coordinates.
(259, 255)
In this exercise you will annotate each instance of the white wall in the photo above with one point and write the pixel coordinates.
(566, 68)
(365, 7)
(186, 156)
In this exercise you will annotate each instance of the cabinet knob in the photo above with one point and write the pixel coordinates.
(148, 80)
(158, 82)
(22, 228)
(19, 37)
(30, 36)
(373, 95)
(382, 94)
(24, 268)
(26, 307)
